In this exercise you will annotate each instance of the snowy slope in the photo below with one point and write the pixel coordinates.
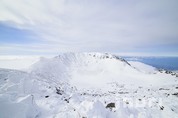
(88, 85)
(143, 67)
(97, 69)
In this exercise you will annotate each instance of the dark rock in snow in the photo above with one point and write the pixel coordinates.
(163, 89)
(176, 94)
(123, 92)
(47, 96)
(66, 100)
(168, 72)
(110, 105)
(59, 91)
(162, 107)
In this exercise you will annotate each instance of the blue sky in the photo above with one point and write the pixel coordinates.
(11, 35)
(43, 27)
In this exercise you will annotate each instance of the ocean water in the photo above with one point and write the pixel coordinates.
(167, 63)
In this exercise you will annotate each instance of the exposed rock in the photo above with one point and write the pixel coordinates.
(162, 107)
(123, 92)
(47, 96)
(168, 72)
(110, 105)
(163, 89)
(59, 91)
(176, 94)
(66, 100)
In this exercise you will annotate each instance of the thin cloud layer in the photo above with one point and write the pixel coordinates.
(95, 25)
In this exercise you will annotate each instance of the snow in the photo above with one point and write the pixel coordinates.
(17, 62)
(143, 67)
(76, 85)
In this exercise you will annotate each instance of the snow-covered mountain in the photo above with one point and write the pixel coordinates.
(88, 85)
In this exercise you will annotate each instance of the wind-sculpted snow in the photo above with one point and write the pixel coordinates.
(88, 85)
(16, 95)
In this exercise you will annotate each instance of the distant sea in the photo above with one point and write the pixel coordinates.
(167, 63)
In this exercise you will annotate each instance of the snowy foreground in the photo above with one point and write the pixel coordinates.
(88, 85)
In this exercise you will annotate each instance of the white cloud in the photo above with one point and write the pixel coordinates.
(95, 25)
